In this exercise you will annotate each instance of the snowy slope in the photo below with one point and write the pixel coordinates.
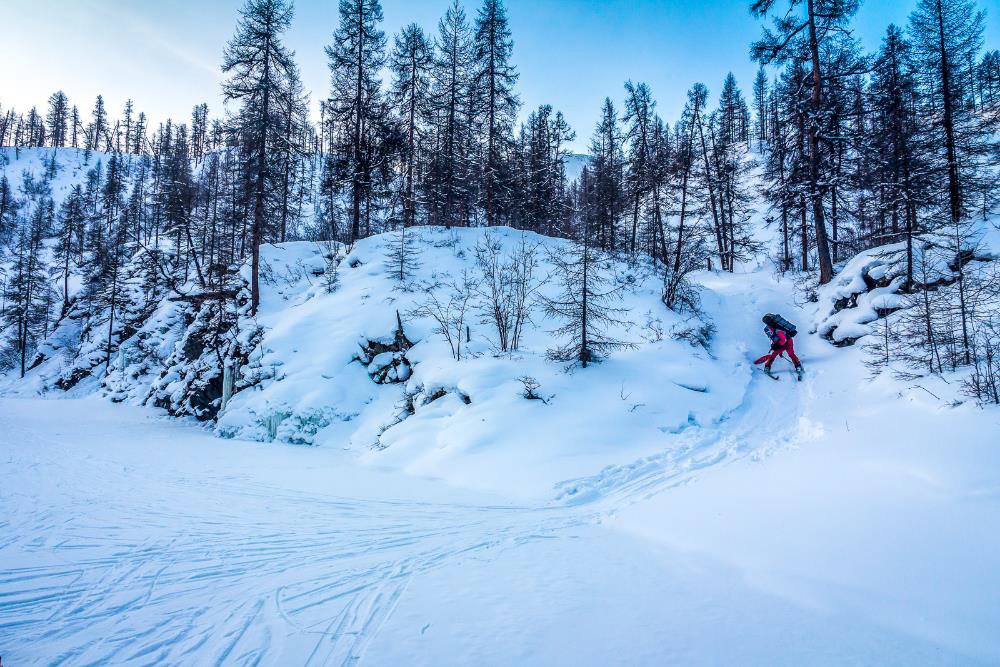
(823, 522)
(302, 380)
(72, 165)
(482, 432)
(575, 162)
(665, 506)
(877, 505)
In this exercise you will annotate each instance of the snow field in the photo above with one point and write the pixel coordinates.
(830, 521)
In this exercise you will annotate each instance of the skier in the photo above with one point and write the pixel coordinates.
(781, 332)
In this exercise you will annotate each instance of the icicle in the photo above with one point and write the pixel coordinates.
(227, 383)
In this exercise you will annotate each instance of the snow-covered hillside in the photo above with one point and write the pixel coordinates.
(373, 492)
(822, 522)
(465, 420)
(63, 167)
(575, 162)
(470, 420)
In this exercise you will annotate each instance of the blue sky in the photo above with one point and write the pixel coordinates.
(570, 53)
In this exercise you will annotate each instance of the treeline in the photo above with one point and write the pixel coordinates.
(437, 142)
(867, 149)
(852, 150)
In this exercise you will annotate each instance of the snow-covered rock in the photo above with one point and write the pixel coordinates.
(871, 284)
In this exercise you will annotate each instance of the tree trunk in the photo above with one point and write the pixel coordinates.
(408, 213)
(111, 313)
(805, 234)
(288, 164)
(258, 209)
(954, 192)
(711, 189)
(584, 352)
(356, 140)
(491, 138)
(816, 195)
(680, 224)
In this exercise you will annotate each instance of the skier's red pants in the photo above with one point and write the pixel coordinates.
(788, 347)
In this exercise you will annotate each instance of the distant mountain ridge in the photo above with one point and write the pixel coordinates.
(575, 162)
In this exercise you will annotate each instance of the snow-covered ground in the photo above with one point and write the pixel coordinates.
(72, 165)
(481, 432)
(832, 521)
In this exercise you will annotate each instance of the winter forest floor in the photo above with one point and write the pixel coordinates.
(837, 520)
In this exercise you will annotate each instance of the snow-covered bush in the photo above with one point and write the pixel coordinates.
(506, 288)
(531, 387)
(448, 304)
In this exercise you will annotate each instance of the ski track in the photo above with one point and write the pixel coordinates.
(314, 584)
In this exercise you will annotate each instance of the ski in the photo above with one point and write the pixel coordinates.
(767, 373)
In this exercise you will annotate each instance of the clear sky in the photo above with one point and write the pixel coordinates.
(165, 54)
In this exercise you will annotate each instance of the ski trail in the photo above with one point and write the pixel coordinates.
(320, 582)
(771, 416)
(737, 436)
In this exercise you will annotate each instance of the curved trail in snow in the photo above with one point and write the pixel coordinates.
(151, 575)
(771, 416)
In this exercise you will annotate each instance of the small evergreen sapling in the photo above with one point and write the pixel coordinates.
(585, 305)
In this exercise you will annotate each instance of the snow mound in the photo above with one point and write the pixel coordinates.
(872, 284)
(867, 284)
(336, 375)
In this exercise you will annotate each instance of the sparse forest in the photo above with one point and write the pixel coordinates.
(499, 332)
(839, 150)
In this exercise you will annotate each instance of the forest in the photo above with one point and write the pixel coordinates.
(838, 150)
(394, 368)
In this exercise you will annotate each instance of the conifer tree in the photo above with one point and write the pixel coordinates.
(9, 207)
(947, 35)
(98, 128)
(585, 305)
(638, 120)
(690, 120)
(129, 122)
(356, 57)
(448, 172)
(27, 290)
(805, 27)
(894, 140)
(58, 119)
(496, 101)
(760, 99)
(71, 221)
(606, 176)
(258, 65)
(411, 62)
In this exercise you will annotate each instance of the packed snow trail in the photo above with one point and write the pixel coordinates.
(129, 538)
(770, 417)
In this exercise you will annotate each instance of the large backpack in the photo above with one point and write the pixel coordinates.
(776, 321)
